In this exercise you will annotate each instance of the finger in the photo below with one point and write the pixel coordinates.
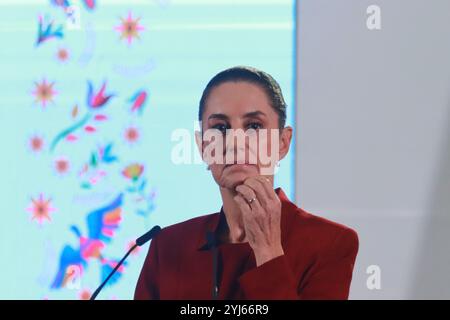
(256, 206)
(243, 205)
(254, 203)
(250, 197)
(247, 214)
(258, 190)
(268, 187)
(246, 192)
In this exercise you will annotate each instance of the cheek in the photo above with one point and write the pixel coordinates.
(268, 152)
(217, 174)
(268, 144)
(213, 151)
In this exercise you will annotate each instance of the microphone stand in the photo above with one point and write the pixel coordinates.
(139, 242)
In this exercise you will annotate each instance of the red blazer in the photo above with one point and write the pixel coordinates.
(317, 263)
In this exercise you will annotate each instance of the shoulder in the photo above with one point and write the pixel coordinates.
(322, 234)
(187, 229)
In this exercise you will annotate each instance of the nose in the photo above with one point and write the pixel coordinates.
(235, 146)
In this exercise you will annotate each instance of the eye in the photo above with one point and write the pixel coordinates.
(254, 125)
(222, 127)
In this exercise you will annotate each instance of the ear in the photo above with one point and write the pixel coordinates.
(199, 142)
(285, 141)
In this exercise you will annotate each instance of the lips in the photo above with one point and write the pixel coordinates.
(238, 164)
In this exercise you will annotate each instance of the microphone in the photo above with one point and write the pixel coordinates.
(147, 236)
(212, 244)
(139, 242)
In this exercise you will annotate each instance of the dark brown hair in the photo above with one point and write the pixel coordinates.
(252, 75)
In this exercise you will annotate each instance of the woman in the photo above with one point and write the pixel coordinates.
(260, 245)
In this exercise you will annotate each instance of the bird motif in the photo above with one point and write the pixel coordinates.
(101, 225)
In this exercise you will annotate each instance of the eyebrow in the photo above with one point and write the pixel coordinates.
(222, 116)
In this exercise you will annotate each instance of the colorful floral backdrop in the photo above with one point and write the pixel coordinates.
(91, 92)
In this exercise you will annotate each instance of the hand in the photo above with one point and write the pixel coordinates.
(261, 217)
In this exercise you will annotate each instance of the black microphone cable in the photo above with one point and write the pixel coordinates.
(212, 244)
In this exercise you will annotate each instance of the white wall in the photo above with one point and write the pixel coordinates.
(373, 136)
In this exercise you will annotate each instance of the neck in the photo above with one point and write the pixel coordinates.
(234, 232)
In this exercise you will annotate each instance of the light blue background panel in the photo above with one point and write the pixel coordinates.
(183, 44)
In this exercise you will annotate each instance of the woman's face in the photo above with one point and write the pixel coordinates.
(245, 106)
